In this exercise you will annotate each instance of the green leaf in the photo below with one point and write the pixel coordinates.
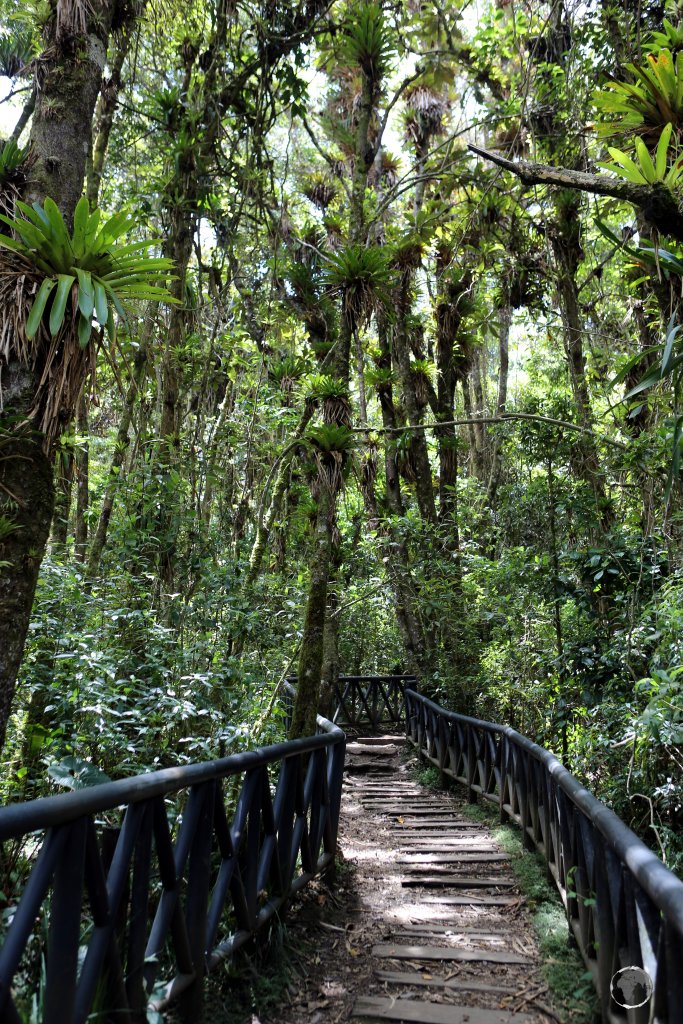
(101, 303)
(620, 377)
(111, 325)
(649, 380)
(11, 243)
(64, 283)
(38, 308)
(671, 334)
(84, 330)
(626, 168)
(75, 773)
(37, 214)
(86, 293)
(81, 218)
(645, 161)
(59, 236)
(662, 152)
(675, 458)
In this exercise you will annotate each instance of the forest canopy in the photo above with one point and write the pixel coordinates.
(341, 337)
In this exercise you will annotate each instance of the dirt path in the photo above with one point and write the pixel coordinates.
(425, 924)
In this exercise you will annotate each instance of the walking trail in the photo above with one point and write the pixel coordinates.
(426, 923)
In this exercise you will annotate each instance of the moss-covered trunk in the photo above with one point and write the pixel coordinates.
(419, 453)
(60, 140)
(313, 642)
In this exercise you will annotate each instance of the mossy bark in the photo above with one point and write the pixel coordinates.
(419, 452)
(313, 642)
(62, 509)
(60, 140)
(82, 483)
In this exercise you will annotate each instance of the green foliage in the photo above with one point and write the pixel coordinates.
(362, 275)
(12, 157)
(89, 266)
(288, 370)
(671, 38)
(75, 773)
(366, 41)
(653, 100)
(321, 387)
(329, 438)
(646, 171)
(15, 51)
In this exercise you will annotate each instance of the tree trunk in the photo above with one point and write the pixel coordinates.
(104, 116)
(398, 556)
(479, 410)
(60, 516)
(330, 669)
(501, 402)
(82, 482)
(313, 641)
(419, 453)
(120, 448)
(60, 141)
(567, 251)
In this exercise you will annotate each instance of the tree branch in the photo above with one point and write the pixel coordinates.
(505, 417)
(657, 202)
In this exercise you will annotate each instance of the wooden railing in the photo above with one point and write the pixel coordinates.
(370, 702)
(141, 886)
(624, 906)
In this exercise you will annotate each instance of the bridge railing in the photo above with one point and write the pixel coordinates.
(374, 701)
(141, 886)
(624, 906)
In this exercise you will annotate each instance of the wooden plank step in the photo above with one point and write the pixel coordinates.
(475, 899)
(446, 830)
(367, 750)
(416, 979)
(442, 823)
(457, 882)
(454, 857)
(413, 811)
(417, 850)
(453, 938)
(409, 1010)
(371, 741)
(394, 951)
(447, 842)
(457, 929)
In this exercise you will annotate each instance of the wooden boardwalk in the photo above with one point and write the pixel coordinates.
(457, 945)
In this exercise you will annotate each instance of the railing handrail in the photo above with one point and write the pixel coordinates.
(240, 853)
(624, 906)
(660, 883)
(45, 812)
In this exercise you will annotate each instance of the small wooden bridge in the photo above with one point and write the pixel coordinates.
(136, 889)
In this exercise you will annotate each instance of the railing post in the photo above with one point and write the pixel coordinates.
(471, 766)
(197, 902)
(64, 928)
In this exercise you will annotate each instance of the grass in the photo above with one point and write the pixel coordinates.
(563, 969)
(429, 776)
(258, 981)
